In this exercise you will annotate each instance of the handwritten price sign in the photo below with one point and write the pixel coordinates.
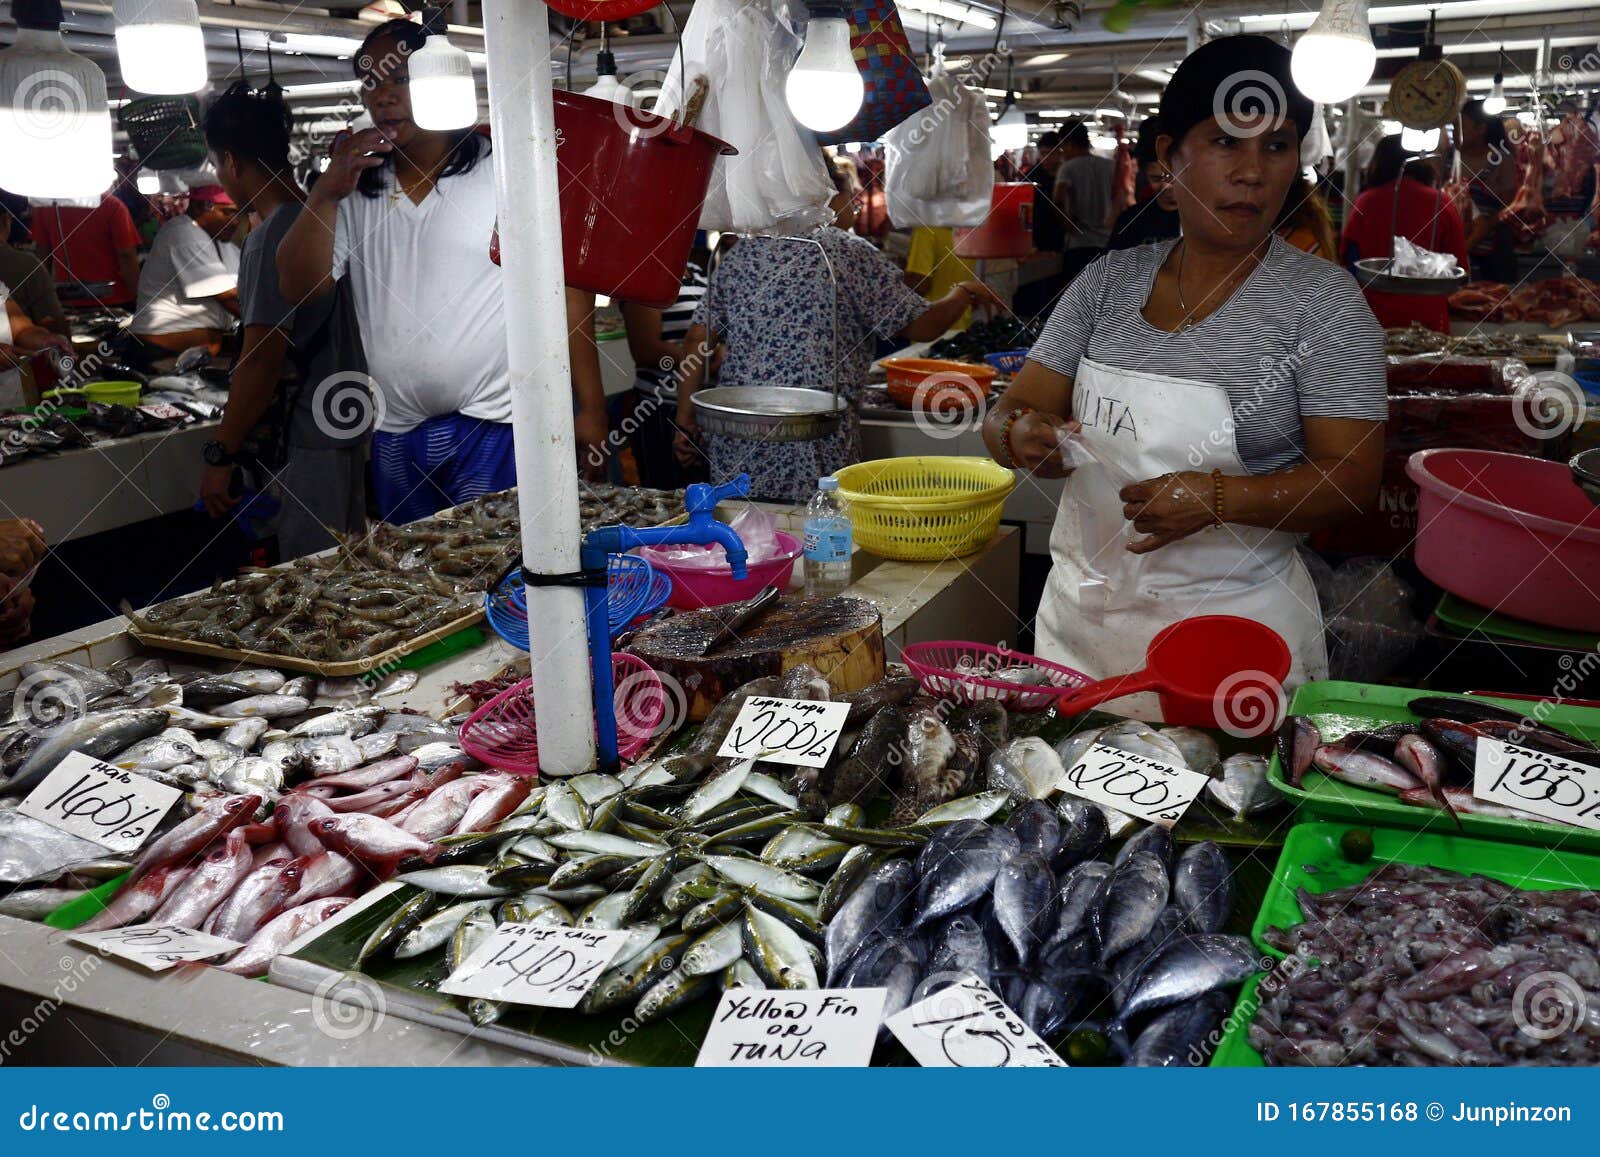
(814, 1028)
(88, 798)
(1146, 789)
(799, 732)
(1533, 781)
(536, 964)
(157, 946)
(966, 1026)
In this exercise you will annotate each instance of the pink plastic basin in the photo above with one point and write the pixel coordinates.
(1510, 533)
(694, 587)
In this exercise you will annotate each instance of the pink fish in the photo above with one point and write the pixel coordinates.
(266, 852)
(494, 804)
(262, 894)
(132, 904)
(278, 933)
(198, 832)
(446, 774)
(329, 874)
(293, 813)
(370, 838)
(365, 801)
(439, 814)
(372, 774)
(398, 805)
(213, 878)
(262, 833)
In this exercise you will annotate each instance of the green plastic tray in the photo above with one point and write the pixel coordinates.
(91, 903)
(1311, 859)
(1337, 708)
(1464, 616)
(463, 640)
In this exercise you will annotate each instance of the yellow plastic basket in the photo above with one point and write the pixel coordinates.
(925, 509)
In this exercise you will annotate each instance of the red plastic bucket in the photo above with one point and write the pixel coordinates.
(1008, 230)
(1210, 671)
(632, 186)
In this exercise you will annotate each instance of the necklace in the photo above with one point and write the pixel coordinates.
(1187, 321)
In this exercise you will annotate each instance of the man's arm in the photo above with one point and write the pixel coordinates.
(251, 387)
(305, 256)
(588, 387)
(128, 268)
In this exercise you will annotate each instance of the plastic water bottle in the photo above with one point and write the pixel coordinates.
(829, 539)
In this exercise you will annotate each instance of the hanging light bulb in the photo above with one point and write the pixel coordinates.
(1495, 103)
(443, 93)
(824, 88)
(55, 126)
(1419, 140)
(148, 183)
(1335, 57)
(159, 45)
(607, 86)
(1010, 131)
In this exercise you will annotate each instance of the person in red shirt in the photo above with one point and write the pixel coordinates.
(1426, 218)
(91, 245)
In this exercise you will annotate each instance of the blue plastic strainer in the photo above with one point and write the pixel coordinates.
(633, 588)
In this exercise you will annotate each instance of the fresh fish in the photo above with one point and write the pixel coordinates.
(879, 959)
(1423, 760)
(398, 925)
(714, 729)
(439, 814)
(330, 754)
(880, 906)
(377, 745)
(467, 938)
(1152, 838)
(96, 735)
(715, 950)
(1070, 750)
(211, 823)
(1078, 896)
(1035, 824)
(217, 875)
(1021, 676)
(1243, 787)
(327, 874)
(131, 905)
(301, 686)
(670, 993)
(964, 874)
(250, 775)
(532, 908)
(765, 787)
(395, 683)
(1025, 902)
(1135, 893)
(780, 955)
(367, 837)
(764, 877)
(605, 912)
(261, 707)
(37, 903)
(864, 772)
(1203, 888)
(959, 945)
(1182, 1036)
(465, 880)
(893, 690)
(351, 722)
(627, 980)
(268, 889)
(1298, 741)
(604, 842)
(435, 929)
(84, 684)
(1190, 967)
(1363, 769)
(281, 931)
(374, 800)
(1200, 751)
(565, 807)
(926, 779)
(741, 974)
(157, 753)
(1380, 741)
(372, 775)
(1083, 832)
(1461, 801)
(1465, 708)
(980, 806)
(653, 880)
(715, 792)
(857, 863)
(493, 804)
(294, 813)
(349, 691)
(720, 909)
(1027, 768)
(245, 733)
(594, 788)
(1138, 738)
(1046, 1008)
(257, 680)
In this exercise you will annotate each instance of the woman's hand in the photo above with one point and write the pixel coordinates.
(1168, 508)
(350, 155)
(591, 432)
(1035, 443)
(982, 296)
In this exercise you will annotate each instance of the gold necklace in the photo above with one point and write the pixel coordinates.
(1186, 322)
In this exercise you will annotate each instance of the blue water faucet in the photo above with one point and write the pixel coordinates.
(702, 529)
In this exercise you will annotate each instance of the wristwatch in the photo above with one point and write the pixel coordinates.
(216, 454)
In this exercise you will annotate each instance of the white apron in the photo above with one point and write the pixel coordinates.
(1103, 605)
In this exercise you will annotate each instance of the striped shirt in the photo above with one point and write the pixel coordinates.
(663, 383)
(1296, 340)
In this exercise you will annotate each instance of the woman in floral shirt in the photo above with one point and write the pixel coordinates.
(769, 303)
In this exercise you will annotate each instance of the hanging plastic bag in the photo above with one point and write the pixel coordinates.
(937, 169)
(777, 184)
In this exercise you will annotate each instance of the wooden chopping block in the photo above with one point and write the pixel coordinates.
(842, 637)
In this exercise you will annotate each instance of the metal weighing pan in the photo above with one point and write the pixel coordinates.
(1373, 273)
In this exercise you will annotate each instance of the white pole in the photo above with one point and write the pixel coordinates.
(522, 117)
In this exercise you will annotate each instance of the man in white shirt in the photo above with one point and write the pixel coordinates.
(407, 214)
(188, 288)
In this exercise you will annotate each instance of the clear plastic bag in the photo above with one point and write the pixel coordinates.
(756, 529)
(777, 183)
(1366, 610)
(937, 169)
(1412, 260)
(1111, 574)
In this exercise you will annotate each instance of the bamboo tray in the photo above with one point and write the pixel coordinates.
(332, 670)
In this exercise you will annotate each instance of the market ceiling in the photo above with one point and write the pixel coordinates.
(1058, 72)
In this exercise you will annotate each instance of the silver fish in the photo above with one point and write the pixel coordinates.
(245, 733)
(97, 735)
(1243, 787)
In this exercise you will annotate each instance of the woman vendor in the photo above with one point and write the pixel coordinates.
(1225, 392)
(769, 303)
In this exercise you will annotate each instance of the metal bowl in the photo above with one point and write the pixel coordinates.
(1373, 273)
(769, 413)
(1585, 469)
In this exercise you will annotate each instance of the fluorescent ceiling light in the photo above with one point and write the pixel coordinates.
(951, 10)
(1272, 22)
(1043, 59)
(323, 88)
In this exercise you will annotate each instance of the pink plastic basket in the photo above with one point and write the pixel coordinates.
(503, 733)
(960, 671)
(694, 587)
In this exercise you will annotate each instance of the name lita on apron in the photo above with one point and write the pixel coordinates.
(1103, 605)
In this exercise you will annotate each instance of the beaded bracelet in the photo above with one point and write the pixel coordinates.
(1216, 484)
(1005, 435)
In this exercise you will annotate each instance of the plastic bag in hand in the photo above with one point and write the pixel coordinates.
(777, 183)
(937, 169)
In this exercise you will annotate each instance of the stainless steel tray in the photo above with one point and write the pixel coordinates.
(768, 413)
(1373, 273)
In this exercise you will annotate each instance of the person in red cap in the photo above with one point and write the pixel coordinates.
(188, 289)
